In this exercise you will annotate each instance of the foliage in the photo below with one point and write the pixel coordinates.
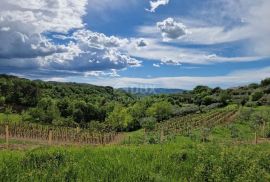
(160, 110)
(120, 119)
(148, 123)
(265, 82)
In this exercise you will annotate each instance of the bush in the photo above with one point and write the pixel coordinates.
(186, 110)
(148, 123)
(160, 110)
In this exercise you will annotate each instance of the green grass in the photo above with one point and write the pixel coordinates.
(181, 160)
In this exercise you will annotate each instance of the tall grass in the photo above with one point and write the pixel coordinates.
(169, 162)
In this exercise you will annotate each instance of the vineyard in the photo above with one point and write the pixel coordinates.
(56, 135)
(185, 125)
(67, 135)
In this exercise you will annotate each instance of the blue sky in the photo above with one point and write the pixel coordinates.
(137, 43)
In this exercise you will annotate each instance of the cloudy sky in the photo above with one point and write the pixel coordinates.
(137, 43)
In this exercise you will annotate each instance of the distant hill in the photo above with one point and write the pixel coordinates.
(151, 91)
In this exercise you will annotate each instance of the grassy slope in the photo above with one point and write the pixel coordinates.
(180, 159)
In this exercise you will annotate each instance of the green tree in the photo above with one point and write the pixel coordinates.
(224, 97)
(265, 82)
(207, 100)
(138, 110)
(160, 110)
(120, 119)
(46, 111)
(66, 107)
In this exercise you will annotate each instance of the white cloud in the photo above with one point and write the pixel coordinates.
(241, 77)
(156, 3)
(199, 34)
(99, 40)
(156, 65)
(25, 24)
(223, 21)
(56, 79)
(172, 55)
(91, 51)
(168, 61)
(112, 73)
(171, 29)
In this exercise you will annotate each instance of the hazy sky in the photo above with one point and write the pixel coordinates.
(138, 43)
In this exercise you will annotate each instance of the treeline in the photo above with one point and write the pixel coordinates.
(72, 104)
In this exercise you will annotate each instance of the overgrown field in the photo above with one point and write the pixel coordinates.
(228, 153)
(185, 161)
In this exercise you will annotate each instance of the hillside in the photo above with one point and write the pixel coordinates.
(71, 104)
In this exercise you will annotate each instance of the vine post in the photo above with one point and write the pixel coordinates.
(7, 135)
(50, 137)
(256, 138)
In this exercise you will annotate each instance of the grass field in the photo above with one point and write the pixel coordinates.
(230, 154)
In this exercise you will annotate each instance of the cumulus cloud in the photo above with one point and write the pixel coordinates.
(171, 29)
(25, 24)
(168, 61)
(156, 3)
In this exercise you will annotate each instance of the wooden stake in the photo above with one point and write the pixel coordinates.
(78, 129)
(161, 135)
(256, 138)
(7, 135)
(50, 137)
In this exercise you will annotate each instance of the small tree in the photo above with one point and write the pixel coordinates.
(148, 123)
(120, 119)
(160, 110)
